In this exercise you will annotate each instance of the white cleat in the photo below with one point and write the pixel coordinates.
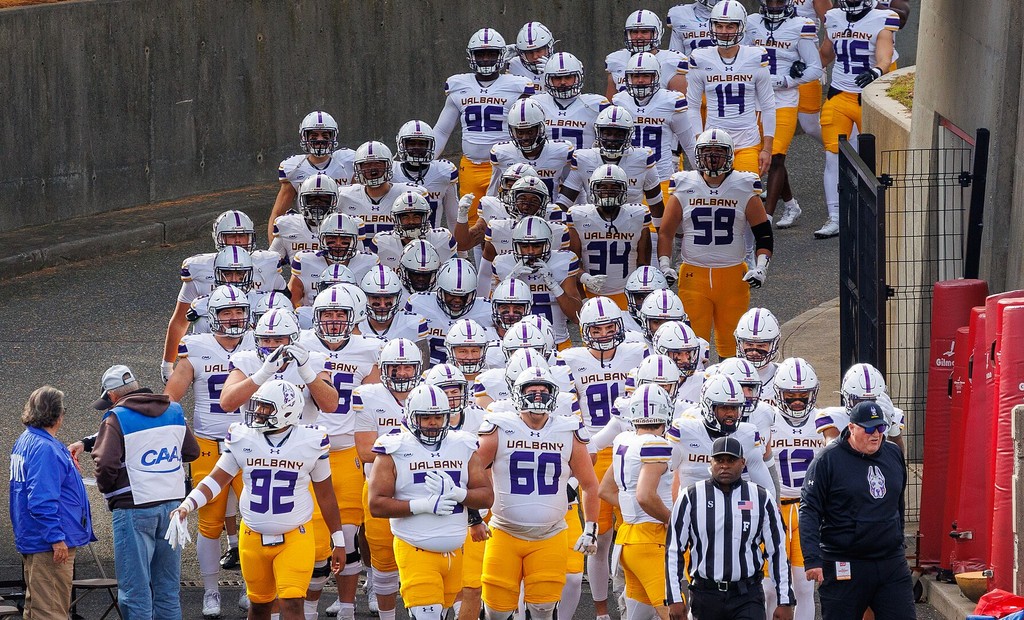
(829, 230)
(789, 215)
(371, 600)
(243, 601)
(622, 606)
(334, 608)
(211, 604)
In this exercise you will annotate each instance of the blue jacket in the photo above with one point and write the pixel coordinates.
(48, 502)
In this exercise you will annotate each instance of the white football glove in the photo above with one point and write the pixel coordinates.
(544, 272)
(442, 505)
(301, 358)
(587, 542)
(177, 535)
(166, 368)
(521, 270)
(665, 263)
(756, 276)
(435, 482)
(594, 284)
(464, 205)
(271, 365)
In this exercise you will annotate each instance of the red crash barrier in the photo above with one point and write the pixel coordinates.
(959, 394)
(951, 310)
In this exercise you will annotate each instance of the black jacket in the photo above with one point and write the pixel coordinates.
(851, 504)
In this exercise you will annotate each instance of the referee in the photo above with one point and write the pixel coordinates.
(723, 522)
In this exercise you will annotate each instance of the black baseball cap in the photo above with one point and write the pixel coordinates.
(727, 446)
(867, 415)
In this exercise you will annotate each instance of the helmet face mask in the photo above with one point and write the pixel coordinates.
(411, 216)
(400, 365)
(642, 84)
(796, 390)
(714, 160)
(456, 287)
(526, 125)
(532, 241)
(535, 392)
(720, 404)
(775, 12)
(613, 131)
(608, 194)
(563, 76)
(677, 341)
(642, 32)
(373, 173)
(339, 237)
(233, 266)
(318, 197)
(507, 314)
(510, 302)
(601, 324)
(334, 314)
(529, 138)
(228, 312)
(855, 6)
(534, 45)
(318, 134)
(861, 383)
(274, 329)
(428, 414)
(454, 384)
(508, 179)
(727, 23)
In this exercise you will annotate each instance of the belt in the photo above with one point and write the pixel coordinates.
(786, 501)
(741, 585)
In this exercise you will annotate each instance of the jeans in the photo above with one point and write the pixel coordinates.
(148, 570)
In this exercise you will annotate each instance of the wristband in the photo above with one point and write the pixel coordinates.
(459, 494)
(657, 222)
(474, 517)
(556, 289)
(665, 263)
(260, 376)
(338, 539)
(307, 374)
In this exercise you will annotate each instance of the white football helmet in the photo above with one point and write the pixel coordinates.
(466, 343)
(233, 265)
(744, 373)
(275, 325)
(318, 121)
(862, 382)
(660, 370)
(268, 302)
(427, 400)
(642, 282)
(614, 131)
(520, 360)
(404, 211)
(710, 4)
(223, 298)
(334, 274)
(418, 266)
(508, 178)
(528, 196)
(717, 391)
(542, 323)
(728, 12)
(534, 36)
(510, 302)
(714, 152)
(456, 287)
(660, 307)
(326, 308)
(645, 65)
(539, 403)
(415, 141)
(678, 341)
(561, 65)
(649, 405)
(796, 389)
(757, 337)
(339, 237)
(526, 125)
(318, 196)
(398, 355)
(486, 52)
(446, 377)
(275, 405)
(373, 164)
(234, 223)
(383, 290)
(608, 186)
(643, 31)
(359, 302)
(531, 240)
(775, 15)
(596, 312)
(524, 335)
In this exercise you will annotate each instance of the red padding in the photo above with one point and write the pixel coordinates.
(959, 390)
(951, 310)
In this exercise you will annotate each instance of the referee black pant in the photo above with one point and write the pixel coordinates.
(883, 585)
(733, 600)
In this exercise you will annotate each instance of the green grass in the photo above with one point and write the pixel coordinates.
(902, 90)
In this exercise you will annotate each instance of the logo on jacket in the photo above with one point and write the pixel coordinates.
(876, 482)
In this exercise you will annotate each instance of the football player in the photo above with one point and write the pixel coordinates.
(754, 410)
(276, 545)
(862, 382)
(616, 235)
(677, 341)
(531, 460)
(495, 383)
(793, 60)
(385, 319)
(640, 484)
(411, 216)
(379, 409)
(372, 193)
(466, 343)
(318, 137)
(736, 80)
(568, 112)
(566, 403)
(293, 232)
(758, 335)
(418, 267)
(530, 145)
(334, 274)
(338, 235)
(480, 101)
(715, 206)
(454, 299)
(639, 285)
(424, 480)
(860, 39)
(642, 33)
(690, 26)
(659, 308)
(203, 364)
(795, 444)
(491, 208)
(415, 165)
(550, 275)
(534, 46)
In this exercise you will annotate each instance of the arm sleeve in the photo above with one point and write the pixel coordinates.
(812, 506)
(450, 204)
(604, 438)
(685, 131)
(677, 541)
(773, 533)
(496, 171)
(766, 100)
(808, 50)
(695, 93)
(445, 125)
(43, 488)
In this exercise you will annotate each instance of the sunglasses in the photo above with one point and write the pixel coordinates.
(881, 428)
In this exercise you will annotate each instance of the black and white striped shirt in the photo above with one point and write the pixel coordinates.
(724, 531)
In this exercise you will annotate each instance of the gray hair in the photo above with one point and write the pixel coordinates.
(127, 388)
(44, 407)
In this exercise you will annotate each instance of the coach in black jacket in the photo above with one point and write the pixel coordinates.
(851, 523)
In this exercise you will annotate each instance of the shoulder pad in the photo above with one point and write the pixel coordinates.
(565, 423)
(388, 444)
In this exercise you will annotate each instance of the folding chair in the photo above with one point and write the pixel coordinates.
(92, 585)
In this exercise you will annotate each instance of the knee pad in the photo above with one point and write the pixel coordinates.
(321, 571)
(492, 614)
(385, 582)
(541, 611)
(636, 610)
(353, 559)
(352, 565)
(427, 612)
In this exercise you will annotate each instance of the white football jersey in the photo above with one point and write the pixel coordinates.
(629, 454)
(805, 8)
(197, 277)
(298, 168)
(249, 362)
(714, 220)
(573, 123)
(530, 472)
(492, 384)
(651, 126)
(563, 264)
(440, 179)
(767, 374)
(839, 417)
(855, 42)
(307, 266)
(599, 383)
(688, 392)
(492, 208)
(389, 246)
(438, 321)
(375, 215)
(552, 163)
(692, 447)
(471, 421)
(672, 63)
(483, 109)
(377, 410)
(276, 496)
(516, 67)
(736, 92)
(794, 448)
(763, 417)
(211, 364)
(348, 366)
(292, 235)
(441, 534)
(405, 325)
(690, 27)
(610, 247)
(639, 164)
(783, 46)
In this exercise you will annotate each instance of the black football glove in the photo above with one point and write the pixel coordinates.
(868, 76)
